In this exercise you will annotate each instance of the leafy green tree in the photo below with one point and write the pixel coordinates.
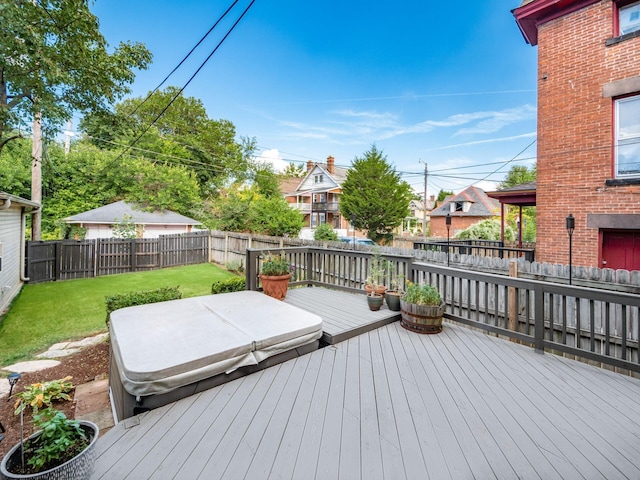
(182, 133)
(486, 230)
(325, 232)
(54, 61)
(375, 194)
(266, 180)
(291, 170)
(15, 168)
(274, 216)
(125, 227)
(442, 194)
(519, 174)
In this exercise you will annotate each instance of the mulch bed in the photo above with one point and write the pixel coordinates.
(84, 366)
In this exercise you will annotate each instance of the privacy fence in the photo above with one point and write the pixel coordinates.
(594, 324)
(68, 259)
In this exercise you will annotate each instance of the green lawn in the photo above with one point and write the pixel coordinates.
(47, 313)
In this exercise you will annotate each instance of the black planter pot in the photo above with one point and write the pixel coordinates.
(375, 302)
(79, 467)
(393, 300)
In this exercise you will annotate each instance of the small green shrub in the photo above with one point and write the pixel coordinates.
(144, 297)
(38, 395)
(422, 295)
(229, 285)
(236, 266)
(324, 231)
(60, 439)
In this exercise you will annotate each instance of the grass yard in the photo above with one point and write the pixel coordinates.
(48, 313)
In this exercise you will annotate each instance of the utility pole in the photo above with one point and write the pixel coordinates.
(67, 138)
(424, 202)
(36, 175)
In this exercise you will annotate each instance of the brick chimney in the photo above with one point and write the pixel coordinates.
(309, 165)
(330, 164)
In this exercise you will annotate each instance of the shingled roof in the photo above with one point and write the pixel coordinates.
(481, 204)
(115, 211)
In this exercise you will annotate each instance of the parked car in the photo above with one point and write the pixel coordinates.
(359, 241)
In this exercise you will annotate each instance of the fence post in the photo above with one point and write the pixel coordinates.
(538, 312)
(58, 265)
(250, 283)
(513, 314)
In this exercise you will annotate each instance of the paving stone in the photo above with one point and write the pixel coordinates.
(31, 366)
(53, 353)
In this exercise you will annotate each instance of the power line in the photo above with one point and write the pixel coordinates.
(185, 58)
(191, 78)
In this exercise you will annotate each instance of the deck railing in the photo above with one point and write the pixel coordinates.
(484, 248)
(597, 325)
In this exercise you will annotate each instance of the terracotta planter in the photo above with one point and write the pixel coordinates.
(79, 467)
(380, 290)
(421, 318)
(375, 302)
(393, 300)
(275, 286)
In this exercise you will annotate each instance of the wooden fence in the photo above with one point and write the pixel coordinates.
(68, 259)
(594, 324)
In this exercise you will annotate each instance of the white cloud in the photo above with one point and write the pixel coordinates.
(272, 157)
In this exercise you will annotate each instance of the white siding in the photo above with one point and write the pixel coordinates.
(12, 243)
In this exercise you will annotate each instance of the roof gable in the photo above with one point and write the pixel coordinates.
(116, 211)
(481, 204)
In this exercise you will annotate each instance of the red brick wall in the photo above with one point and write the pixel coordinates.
(575, 130)
(458, 224)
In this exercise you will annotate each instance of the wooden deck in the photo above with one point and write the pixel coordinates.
(344, 315)
(392, 404)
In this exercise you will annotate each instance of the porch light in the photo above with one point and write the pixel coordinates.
(571, 225)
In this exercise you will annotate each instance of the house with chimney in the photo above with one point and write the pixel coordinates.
(470, 206)
(317, 197)
(588, 162)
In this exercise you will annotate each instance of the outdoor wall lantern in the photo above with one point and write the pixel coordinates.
(448, 223)
(571, 225)
(13, 379)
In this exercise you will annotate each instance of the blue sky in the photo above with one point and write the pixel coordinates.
(452, 85)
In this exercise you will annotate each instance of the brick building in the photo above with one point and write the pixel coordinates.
(472, 205)
(588, 128)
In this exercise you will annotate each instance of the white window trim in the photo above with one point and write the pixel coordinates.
(618, 102)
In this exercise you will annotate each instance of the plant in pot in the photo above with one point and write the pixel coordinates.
(377, 273)
(392, 295)
(60, 448)
(421, 309)
(275, 273)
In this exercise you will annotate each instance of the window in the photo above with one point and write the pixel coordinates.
(629, 18)
(318, 178)
(627, 141)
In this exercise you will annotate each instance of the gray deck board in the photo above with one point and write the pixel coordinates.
(393, 404)
(344, 315)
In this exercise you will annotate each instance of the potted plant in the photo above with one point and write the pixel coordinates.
(377, 272)
(275, 273)
(422, 309)
(60, 448)
(393, 294)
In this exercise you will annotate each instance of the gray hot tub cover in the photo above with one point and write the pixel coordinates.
(162, 346)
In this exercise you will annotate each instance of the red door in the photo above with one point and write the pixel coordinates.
(621, 250)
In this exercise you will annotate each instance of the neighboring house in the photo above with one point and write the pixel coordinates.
(99, 222)
(13, 213)
(317, 196)
(588, 129)
(470, 206)
(418, 217)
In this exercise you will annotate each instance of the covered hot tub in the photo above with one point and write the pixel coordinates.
(166, 351)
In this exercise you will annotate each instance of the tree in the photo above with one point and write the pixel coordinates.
(171, 128)
(325, 232)
(291, 170)
(54, 61)
(124, 227)
(442, 194)
(375, 194)
(273, 216)
(518, 175)
(486, 230)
